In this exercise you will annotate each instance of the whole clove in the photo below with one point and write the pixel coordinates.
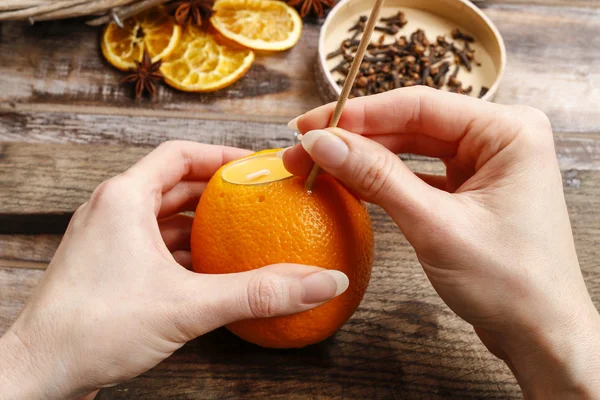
(359, 27)
(440, 77)
(405, 61)
(457, 34)
(399, 20)
(335, 53)
(360, 24)
(463, 59)
(390, 30)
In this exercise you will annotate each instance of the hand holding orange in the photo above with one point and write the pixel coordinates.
(254, 213)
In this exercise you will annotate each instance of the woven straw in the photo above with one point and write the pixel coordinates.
(103, 11)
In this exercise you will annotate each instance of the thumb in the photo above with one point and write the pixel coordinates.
(271, 291)
(373, 172)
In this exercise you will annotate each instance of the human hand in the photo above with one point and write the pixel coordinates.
(493, 235)
(115, 299)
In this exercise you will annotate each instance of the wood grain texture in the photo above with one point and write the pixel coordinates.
(43, 184)
(551, 54)
(27, 251)
(580, 150)
(16, 286)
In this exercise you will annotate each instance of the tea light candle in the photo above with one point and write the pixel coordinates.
(263, 168)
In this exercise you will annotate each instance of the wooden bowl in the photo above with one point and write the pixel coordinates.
(435, 17)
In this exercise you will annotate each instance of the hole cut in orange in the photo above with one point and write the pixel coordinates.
(261, 169)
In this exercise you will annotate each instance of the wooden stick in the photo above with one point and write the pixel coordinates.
(126, 11)
(358, 59)
(39, 9)
(89, 8)
(9, 5)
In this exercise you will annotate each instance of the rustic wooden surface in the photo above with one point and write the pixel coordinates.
(65, 125)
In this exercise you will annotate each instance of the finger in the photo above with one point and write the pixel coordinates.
(262, 293)
(371, 171)
(480, 129)
(414, 110)
(299, 163)
(184, 196)
(175, 161)
(420, 144)
(183, 258)
(175, 231)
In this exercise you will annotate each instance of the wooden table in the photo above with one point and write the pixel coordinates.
(66, 125)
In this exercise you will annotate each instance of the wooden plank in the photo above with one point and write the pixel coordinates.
(27, 251)
(16, 286)
(22, 264)
(59, 127)
(42, 177)
(575, 149)
(542, 43)
(42, 184)
(56, 66)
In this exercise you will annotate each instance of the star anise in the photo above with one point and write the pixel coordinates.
(145, 76)
(195, 10)
(316, 6)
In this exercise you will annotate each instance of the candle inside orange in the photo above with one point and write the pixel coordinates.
(262, 168)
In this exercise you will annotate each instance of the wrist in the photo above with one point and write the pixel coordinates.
(558, 362)
(19, 375)
(28, 370)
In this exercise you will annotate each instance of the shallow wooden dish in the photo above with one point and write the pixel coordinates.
(435, 17)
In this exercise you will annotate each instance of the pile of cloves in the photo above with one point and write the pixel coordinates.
(406, 61)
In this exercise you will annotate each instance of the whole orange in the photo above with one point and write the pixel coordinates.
(239, 227)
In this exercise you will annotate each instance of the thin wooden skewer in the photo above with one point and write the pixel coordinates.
(358, 59)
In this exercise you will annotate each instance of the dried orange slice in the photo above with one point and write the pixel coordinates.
(153, 30)
(267, 25)
(200, 64)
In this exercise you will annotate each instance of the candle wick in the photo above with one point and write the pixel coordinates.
(258, 174)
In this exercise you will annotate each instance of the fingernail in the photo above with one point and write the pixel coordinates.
(323, 286)
(293, 124)
(331, 150)
(279, 154)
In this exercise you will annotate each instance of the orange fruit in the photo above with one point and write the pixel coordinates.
(152, 30)
(200, 64)
(266, 25)
(240, 227)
